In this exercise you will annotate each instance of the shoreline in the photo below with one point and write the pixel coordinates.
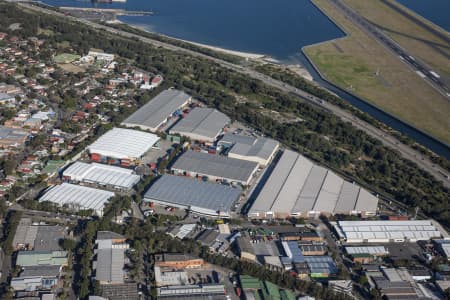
(246, 55)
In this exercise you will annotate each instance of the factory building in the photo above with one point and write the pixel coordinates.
(215, 167)
(12, 137)
(122, 146)
(299, 188)
(203, 198)
(202, 124)
(260, 150)
(78, 197)
(102, 175)
(386, 231)
(109, 265)
(158, 111)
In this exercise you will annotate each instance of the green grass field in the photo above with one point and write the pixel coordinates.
(66, 58)
(359, 64)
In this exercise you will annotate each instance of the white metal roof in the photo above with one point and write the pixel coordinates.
(123, 143)
(84, 197)
(387, 230)
(366, 250)
(102, 174)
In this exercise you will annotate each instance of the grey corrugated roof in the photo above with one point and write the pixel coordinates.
(110, 264)
(310, 190)
(202, 123)
(108, 235)
(366, 201)
(321, 264)
(215, 165)
(293, 185)
(12, 133)
(43, 270)
(347, 198)
(328, 196)
(189, 192)
(250, 146)
(271, 189)
(152, 114)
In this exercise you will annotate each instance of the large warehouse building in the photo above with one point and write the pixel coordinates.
(386, 231)
(78, 197)
(202, 124)
(104, 175)
(124, 146)
(260, 150)
(215, 167)
(297, 187)
(153, 115)
(204, 198)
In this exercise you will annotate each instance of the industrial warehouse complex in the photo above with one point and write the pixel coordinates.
(103, 175)
(124, 146)
(153, 115)
(298, 187)
(387, 231)
(215, 167)
(202, 124)
(204, 198)
(78, 197)
(260, 150)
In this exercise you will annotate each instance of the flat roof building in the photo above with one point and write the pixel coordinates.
(260, 150)
(153, 115)
(204, 198)
(12, 137)
(215, 167)
(386, 231)
(78, 197)
(202, 124)
(298, 187)
(110, 258)
(123, 143)
(103, 175)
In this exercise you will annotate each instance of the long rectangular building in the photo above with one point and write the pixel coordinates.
(386, 231)
(78, 197)
(215, 167)
(202, 124)
(204, 198)
(260, 150)
(122, 144)
(153, 115)
(297, 187)
(104, 175)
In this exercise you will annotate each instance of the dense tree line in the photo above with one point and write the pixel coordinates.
(319, 135)
(301, 83)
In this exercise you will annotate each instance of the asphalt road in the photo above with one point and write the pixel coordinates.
(388, 140)
(422, 69)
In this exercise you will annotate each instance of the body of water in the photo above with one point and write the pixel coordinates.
(437, 11)
(276, 28)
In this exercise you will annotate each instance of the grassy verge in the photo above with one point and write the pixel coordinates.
(361, 65)
(419, 41)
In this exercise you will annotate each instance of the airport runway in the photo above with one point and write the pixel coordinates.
(422, 69)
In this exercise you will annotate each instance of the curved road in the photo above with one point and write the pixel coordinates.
(388, 140)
